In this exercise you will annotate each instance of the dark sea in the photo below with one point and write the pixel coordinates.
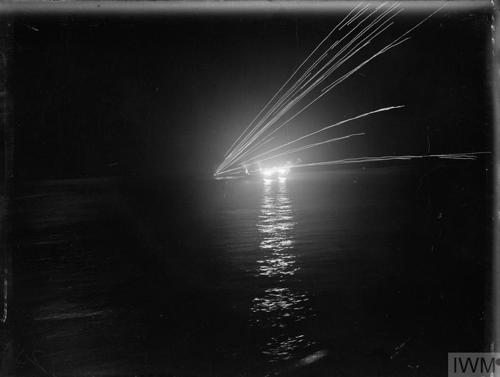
(374, 271)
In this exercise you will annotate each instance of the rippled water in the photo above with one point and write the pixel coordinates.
(280, 305)
(318, 274)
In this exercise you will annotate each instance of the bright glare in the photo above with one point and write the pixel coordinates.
(275, 171)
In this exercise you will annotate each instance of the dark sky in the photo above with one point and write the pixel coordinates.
(152, 94)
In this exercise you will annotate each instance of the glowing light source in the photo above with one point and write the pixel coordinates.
(275, 171)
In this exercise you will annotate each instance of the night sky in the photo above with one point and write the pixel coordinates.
(142, 94)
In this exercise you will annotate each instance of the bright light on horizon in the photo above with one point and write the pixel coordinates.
(275, 171)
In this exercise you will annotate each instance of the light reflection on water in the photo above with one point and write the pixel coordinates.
(281, 307)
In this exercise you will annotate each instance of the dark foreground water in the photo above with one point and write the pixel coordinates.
(376, 272)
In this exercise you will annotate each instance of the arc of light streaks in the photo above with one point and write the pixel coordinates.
(356, 160)
(335, 83)
(255, 148)
(352, 52)
(297, 70)
(279, 103)
(327, 128)
(313, 145)
(363, 29)
(293, 74)
(335, 44)
(399, 39)
(313, 85)
(328, 73)
(289, 104)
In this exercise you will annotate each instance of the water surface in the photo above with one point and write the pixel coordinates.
(323, 273)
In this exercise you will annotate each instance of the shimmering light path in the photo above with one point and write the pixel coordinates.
(280, 308)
